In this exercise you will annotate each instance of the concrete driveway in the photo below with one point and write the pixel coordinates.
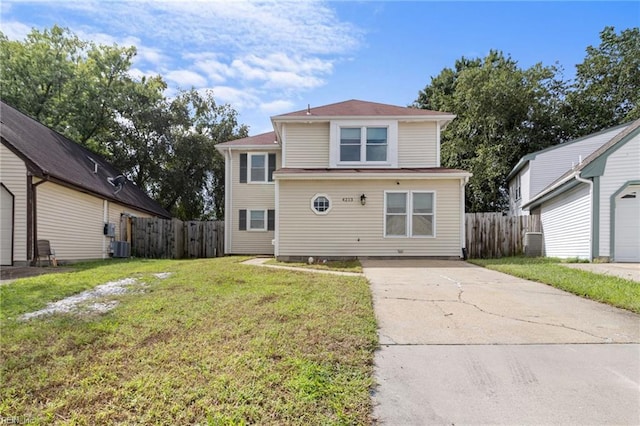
(465, 345)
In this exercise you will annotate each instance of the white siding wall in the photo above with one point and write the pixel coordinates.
(351, 229)
(622, 166)
(550, 165)
(249, 196)
(13, 174)
(417, 145)
(515, 204)
(566, 223)
(306, 145)
(72, 221)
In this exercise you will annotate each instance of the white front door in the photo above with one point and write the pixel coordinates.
(6, 226)
(627, 226)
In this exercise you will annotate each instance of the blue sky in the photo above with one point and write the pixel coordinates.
(274, 57)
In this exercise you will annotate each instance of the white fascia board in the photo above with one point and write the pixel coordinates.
(370, 176)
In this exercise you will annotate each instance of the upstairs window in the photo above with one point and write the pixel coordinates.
(257, 167)
(370, 143)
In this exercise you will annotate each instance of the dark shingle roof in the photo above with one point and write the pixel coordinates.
(50, 155)
(356, 108)
(266, 139)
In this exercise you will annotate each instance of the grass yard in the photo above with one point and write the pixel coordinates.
(330, 265)
(612, 290)
(216, 343)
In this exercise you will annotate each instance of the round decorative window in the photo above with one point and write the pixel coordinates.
(321, 204)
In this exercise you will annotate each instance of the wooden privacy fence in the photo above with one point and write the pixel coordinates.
(174, 239)
(492, 235)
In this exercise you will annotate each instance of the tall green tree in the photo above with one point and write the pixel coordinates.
(503, 112)
(66, 83)
(192, 179)
(85, 92)
(606, 90)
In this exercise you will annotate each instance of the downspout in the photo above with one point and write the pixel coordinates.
(463, 222)
(105, 219)
(228, 206)
(34, 218)
(590, 182)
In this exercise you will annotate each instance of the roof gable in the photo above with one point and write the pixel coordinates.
(532, 156)
(357, 108)
(591, 166)
(50, 155)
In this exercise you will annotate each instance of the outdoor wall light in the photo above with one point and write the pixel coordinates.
(363, 199)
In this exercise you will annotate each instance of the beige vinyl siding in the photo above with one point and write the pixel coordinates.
(417, 145)
(306, 145)
(250, 196)
(72, 221)
(351, 229)
(622, 167)
(13, 174)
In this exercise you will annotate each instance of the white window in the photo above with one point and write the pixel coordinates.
(422, 214)
(517, 191)
(409, 214)
(258, 168)
(370, 143)
(257, 220)
(396, 214)
(320, 204)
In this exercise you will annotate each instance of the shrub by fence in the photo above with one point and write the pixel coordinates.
(492, 235)
(175, 239)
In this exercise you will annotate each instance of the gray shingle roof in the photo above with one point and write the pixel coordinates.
(49, 155)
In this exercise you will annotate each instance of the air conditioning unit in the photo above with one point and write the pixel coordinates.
(533, 244)
(120, 249)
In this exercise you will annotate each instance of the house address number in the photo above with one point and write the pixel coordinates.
(347, 199)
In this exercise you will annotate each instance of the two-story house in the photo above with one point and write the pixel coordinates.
(351, 179)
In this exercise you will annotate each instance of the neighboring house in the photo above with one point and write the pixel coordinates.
(592, 211)
(535, 171)
(54, 189)
(351, 179)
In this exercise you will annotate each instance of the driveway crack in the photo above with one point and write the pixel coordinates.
(461, 300)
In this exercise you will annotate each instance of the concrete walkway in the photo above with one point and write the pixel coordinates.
(465, 345)
(629, 271)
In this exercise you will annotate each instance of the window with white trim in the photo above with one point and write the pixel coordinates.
(409, 214)
(257, 167)
(363, 144)
(320, 204)
(257, 220)
(370, 143)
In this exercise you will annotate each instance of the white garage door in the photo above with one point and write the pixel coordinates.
(627, 231)
(6, 226)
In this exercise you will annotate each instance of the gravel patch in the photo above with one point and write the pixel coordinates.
(85, 302)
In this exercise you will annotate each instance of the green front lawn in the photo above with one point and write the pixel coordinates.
(216, 342)
(608, 289)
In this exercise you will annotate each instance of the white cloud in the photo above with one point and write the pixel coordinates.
(279, 106)
(250, 51)
(185, 78)
(238, 98)
(15, 30)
